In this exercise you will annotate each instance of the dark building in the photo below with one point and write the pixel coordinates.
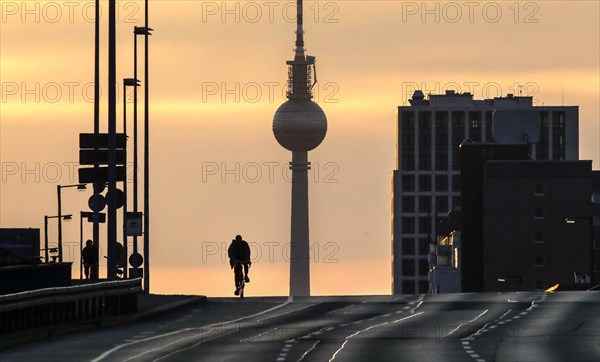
(427, 180)
(473, 160)
(536, 227)
(596, 225)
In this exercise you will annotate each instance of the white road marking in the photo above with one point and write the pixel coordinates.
(258, 335)
(418, 305)
(202, 329)
(309, 350)
(366, 329)
(462, 324)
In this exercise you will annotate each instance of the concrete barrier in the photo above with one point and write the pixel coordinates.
(51, 306)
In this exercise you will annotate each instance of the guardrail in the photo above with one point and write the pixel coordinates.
(50, 306)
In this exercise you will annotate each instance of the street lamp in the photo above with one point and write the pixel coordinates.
(127, 82)
(573, 220)
(80, 187)
(46, 217)
(146, 31)
(136, 31)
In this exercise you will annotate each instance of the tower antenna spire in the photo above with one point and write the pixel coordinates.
(299, 31)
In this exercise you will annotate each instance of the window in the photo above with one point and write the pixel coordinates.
(408, 246)
(538, 213)
(538, 190)
(424, 225)
(441, 183)
(424, 203)
(423, 267)
(425, 183)
(423, 287)
(596, 243)
(423, 246)
(441, 203)
(539, 261)
(408, 225)
(538, 237)
(408, 267)
(408, 287)
(408, 183)
(408, 204)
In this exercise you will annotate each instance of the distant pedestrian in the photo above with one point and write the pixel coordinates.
(239, 255)
(89, 256)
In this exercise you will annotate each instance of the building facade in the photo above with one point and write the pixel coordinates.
(426, 182)
(536, 226)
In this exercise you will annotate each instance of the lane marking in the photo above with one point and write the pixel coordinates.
(462, 324)
(116, 348)
(418, 305)
(309, 350)
(258, 335)
(369, 328)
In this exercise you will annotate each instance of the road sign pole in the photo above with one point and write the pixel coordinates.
(112, 131)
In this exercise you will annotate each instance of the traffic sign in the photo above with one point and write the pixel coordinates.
(133, 224)
(99, 174)
(100, 157)
(97, 202)
(89, 215)
(100, 140)
(136, 260)
(120, 197)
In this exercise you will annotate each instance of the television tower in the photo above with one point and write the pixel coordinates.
(299, 126)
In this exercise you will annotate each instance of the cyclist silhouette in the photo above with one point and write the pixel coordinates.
(239, 255)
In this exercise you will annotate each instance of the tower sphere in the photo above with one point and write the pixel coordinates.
(299, 125)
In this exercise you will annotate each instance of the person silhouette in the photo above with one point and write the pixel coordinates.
(239, 255)
(89, 256)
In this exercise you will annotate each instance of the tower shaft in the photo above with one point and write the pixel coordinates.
(300, 245)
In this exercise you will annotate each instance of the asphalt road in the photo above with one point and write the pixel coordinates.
(532, 326)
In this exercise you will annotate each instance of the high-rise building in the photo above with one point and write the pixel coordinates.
(426, 182)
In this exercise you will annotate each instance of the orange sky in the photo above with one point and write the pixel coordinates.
(217, 77)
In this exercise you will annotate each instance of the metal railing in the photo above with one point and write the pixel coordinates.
(51, 306)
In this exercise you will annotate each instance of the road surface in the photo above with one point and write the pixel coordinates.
(529, 326)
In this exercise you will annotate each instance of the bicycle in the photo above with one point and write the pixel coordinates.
(240, 281)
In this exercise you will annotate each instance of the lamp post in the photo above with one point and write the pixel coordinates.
(46, 217)
(590, 219)
(146, 156)
(127, 82)
(80, 187)
(136, 31)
